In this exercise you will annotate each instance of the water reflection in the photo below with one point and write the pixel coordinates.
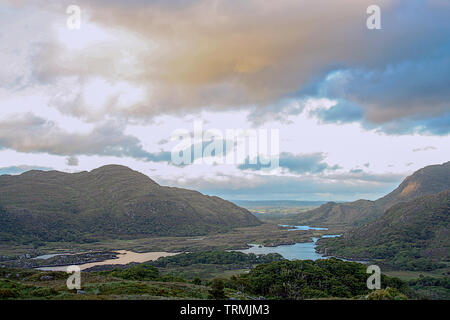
(123, 257)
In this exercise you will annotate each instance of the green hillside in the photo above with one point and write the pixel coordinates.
(111, 201)
(412, 235)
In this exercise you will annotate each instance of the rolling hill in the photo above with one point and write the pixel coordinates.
(111, 201)
(426, 181)
(413, 235)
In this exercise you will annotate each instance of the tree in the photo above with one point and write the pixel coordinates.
(217, 290)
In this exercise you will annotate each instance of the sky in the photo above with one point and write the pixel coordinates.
(343, 111)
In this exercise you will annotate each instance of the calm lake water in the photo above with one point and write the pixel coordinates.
(48, 256)
(297, 251)
(293, 228)
(123, 257)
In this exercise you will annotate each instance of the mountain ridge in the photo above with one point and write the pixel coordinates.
(109, 201)
(425, 181)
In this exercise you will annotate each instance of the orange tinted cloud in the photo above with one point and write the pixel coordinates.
(231, 53)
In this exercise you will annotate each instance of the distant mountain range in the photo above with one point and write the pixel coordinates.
(276, 203)
(111, 201)
(426, 181)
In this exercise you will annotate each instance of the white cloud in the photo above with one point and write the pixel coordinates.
(114, 90)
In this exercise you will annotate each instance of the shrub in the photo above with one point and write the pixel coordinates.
(217, 290)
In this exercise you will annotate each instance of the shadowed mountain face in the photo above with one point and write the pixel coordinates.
(426, 181)
(111, 201)
(412, 235)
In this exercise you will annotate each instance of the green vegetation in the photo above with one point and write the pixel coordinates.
(16, 290)
(143, 282)
(216, 257)
(141, 272)
(431, 287)
(108, 202)
(210, 264)
(329, 278)
(310, 279)
(410, 236)
(217, 290)
(387, 294)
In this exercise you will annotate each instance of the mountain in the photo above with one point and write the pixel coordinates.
(332, 213)
(429, 180)
(413, 235)
(111, 201)
(426, 181)
(276, 203)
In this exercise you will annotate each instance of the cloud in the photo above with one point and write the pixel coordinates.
(407, 126)
(347, 187)
(210, 148)
(341, 112)
(163, 141)
(99, 94)
(18, 48)
(72, 161)
(13, 170)
(29, 133)
(424, 149)
(309, 163)
(361, 176)
(240, 54)
(405, 97)
(299, 164)
(280, 111)
(402, 90)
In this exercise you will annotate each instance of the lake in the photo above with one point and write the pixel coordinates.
(48, 256)
(297, 251)
(293, 228)
(123, 257)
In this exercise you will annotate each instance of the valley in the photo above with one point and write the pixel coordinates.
(409, 241)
